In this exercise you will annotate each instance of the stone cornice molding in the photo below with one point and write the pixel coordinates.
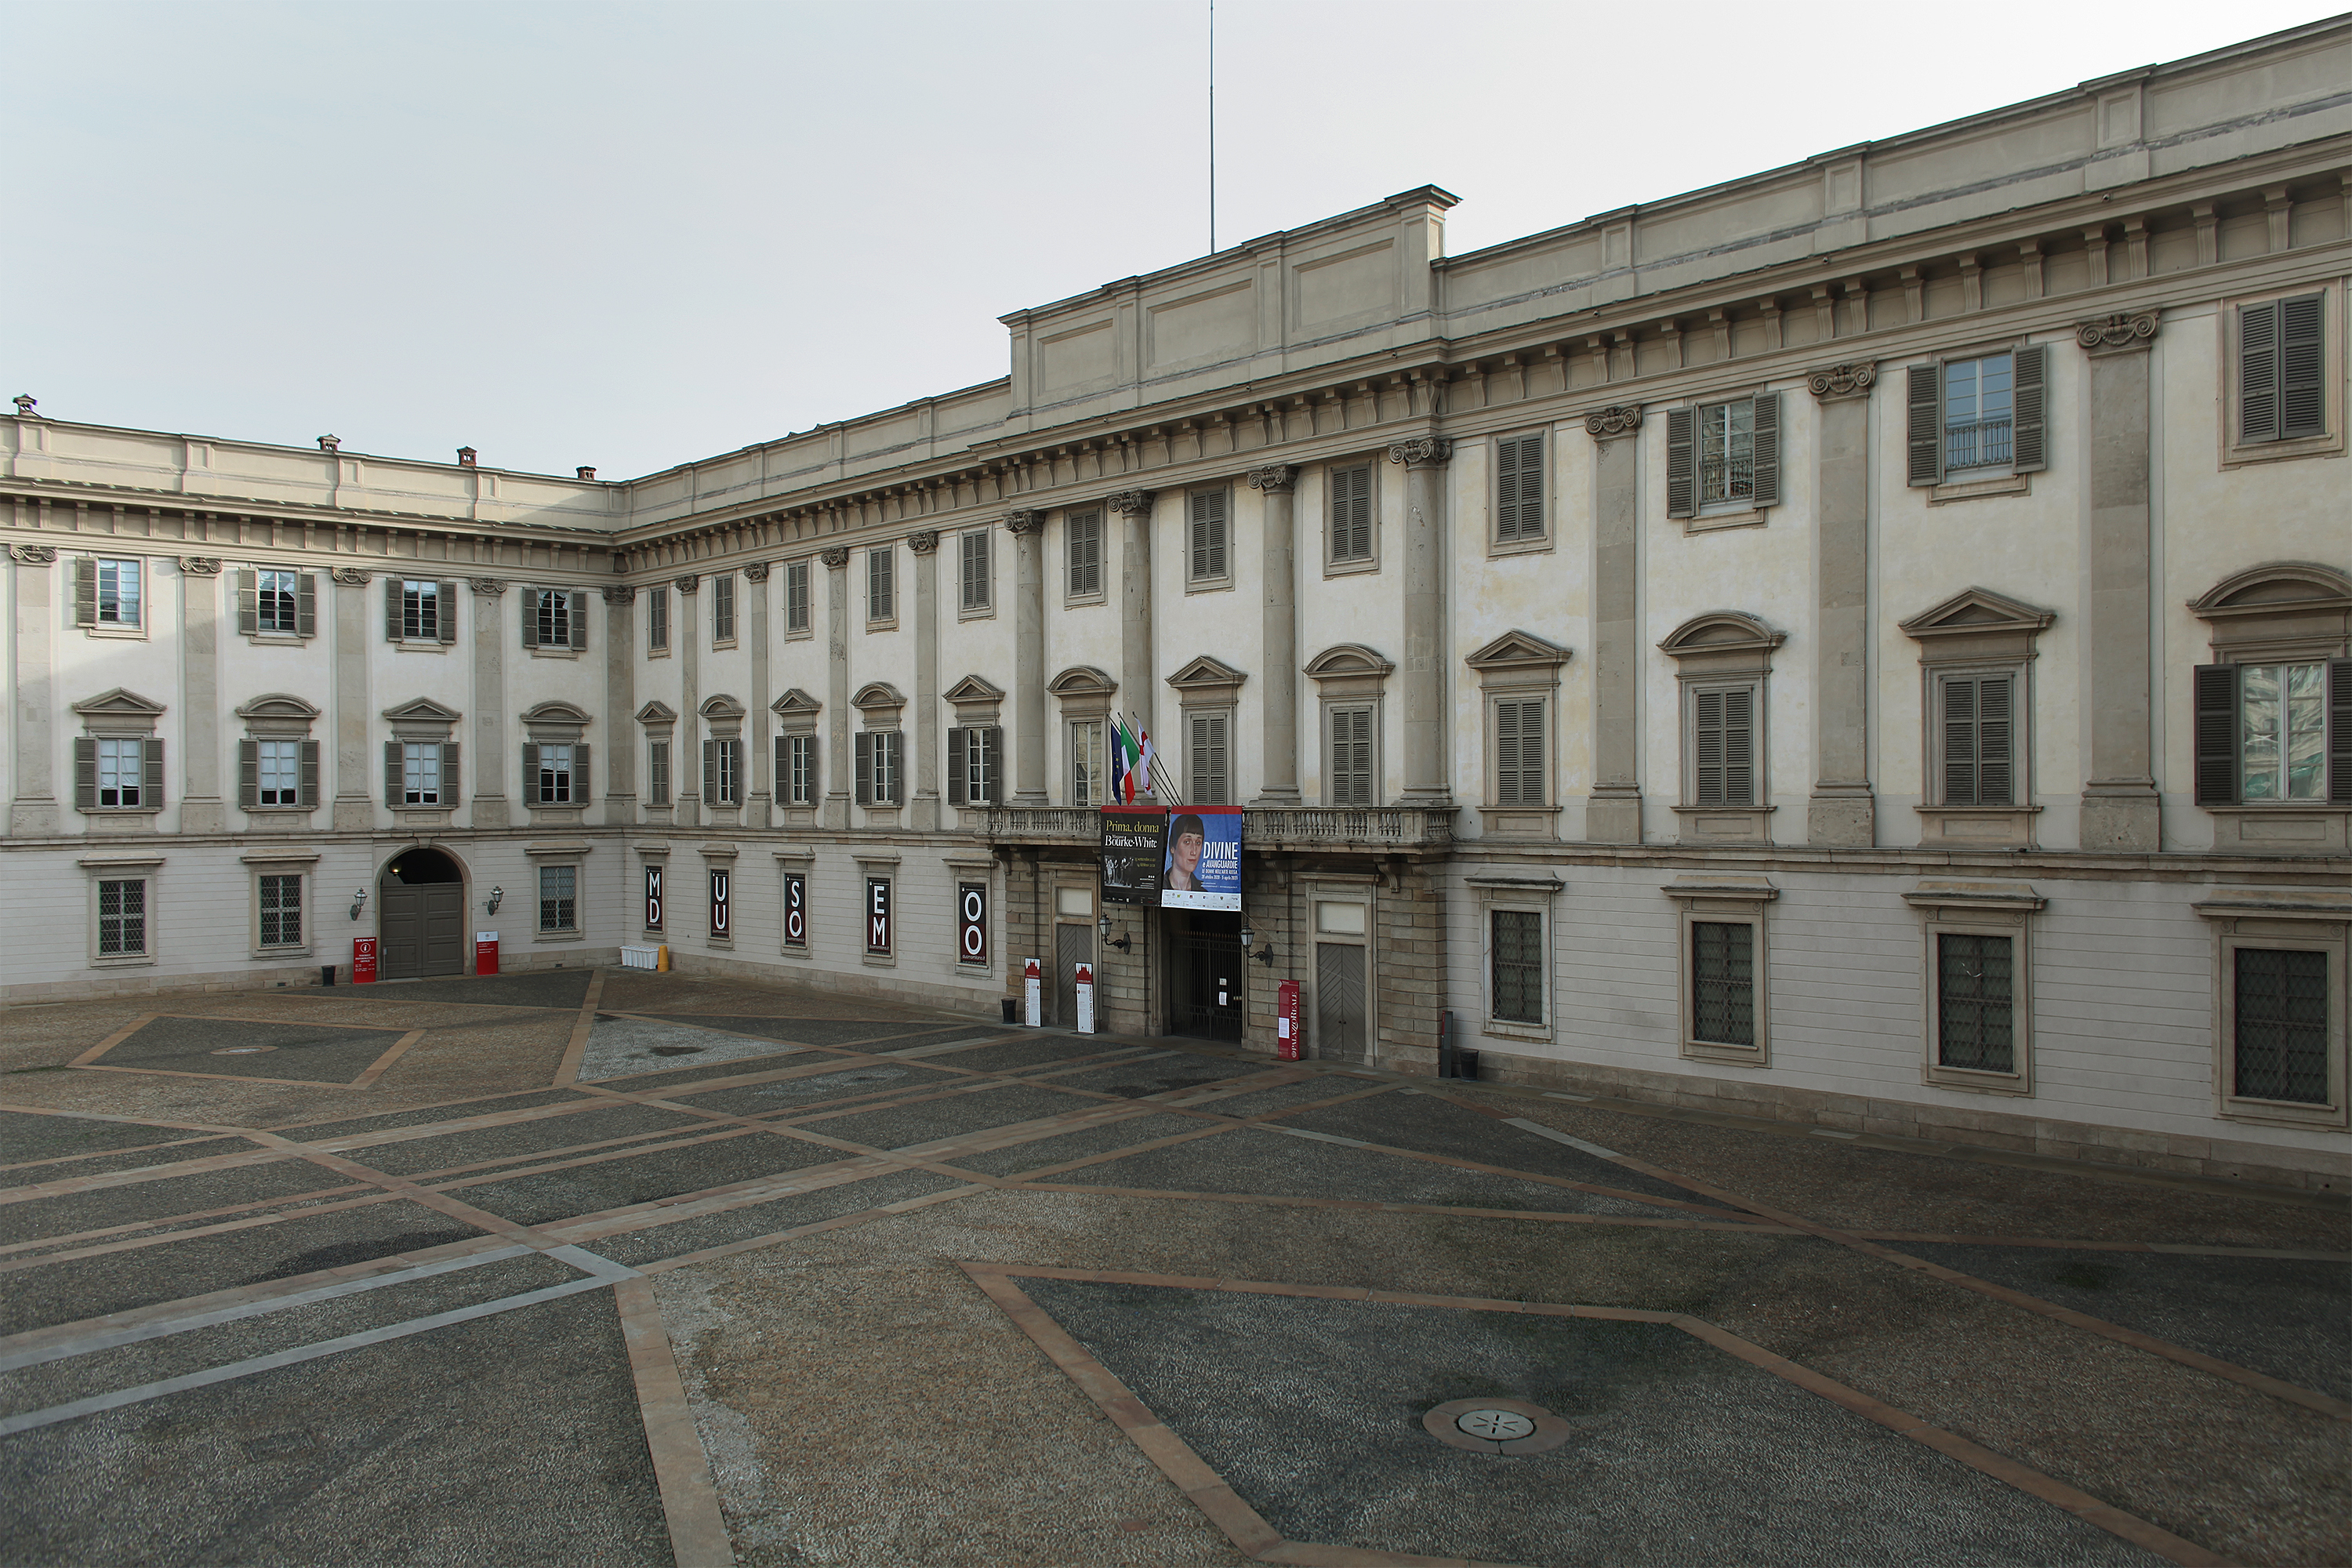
(622, 595)
(1422, 451)
(2121, 333)
(200, 565)
(487, 587)
(1025, 521)
(1833, 381)
(757, 572)
(689, 583)
(352, 578)
(1129, 501)
(924, 542)
(1615, 421)
(836, 558)
(1278, 478)
(33, 554)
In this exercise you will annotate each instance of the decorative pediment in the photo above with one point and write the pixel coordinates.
(974, 688)
(278, 706)
(1082, 680)
(2281, 587)
(1515, 650)
(794, 703)
(721, 707)
(1207, 673)
(1722, 631)
(1349, 659)
(421, 711)
(1974, 611)
(658, 713)
(879, 696)
(556, 713)
(121, 704)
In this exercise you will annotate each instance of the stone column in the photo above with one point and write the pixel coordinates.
(359, 768)
(490, 767)
(1843, 811)
(1612, 812)
(839, 766)
(2119, 799)
(760, 805)
(1278, 634)
(1028, 532)
(685, 762)
(201, 807)
(1423, 678)
(620, 707)
(924, 814)
(34, 812)
(1137, 654)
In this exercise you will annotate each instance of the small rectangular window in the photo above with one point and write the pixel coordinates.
(722, 608)
(121, 771)
(553, 613)
(1351, 513)
(1521, 776)
(1975, 1027)
(1519, 488)
(796, 597)
(881, 588)
(1207, 556)
(122, 918)
(1206, 738)
(657, 619)
(277, 602)
(1089, 783)
(1723, 747)
(420, 611)
(1351, 757)
(1086, 555)
(555, 775)
(975, 571)
(1979, 412)
(117, 592)
(281, 911)
(559, 897)
(1723, 982)
(2282, 371)
(1518, 981)
(657, 772)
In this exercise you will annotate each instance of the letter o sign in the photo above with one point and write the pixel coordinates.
(971, 922)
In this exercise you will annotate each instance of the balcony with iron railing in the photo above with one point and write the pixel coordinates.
(1978, 444)
(1359, 829)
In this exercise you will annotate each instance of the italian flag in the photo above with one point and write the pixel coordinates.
(1130, 762)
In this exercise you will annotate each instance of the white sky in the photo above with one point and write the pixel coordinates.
(631, 234)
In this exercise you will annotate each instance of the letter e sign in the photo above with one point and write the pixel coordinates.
(877, 914)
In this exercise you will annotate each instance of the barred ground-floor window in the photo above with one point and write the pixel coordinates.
(122, 918)
(2280, 1015)
(559, 897)
(282, 911)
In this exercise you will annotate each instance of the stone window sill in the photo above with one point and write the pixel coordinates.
(1350, 568)
(1503, 1029)
(124, 960)
(887, 624)
(276, 639)
(1539, 546)
(262, 952)
(2279, 1114)
(1978, 826)
(800, 953)
(538, 937)
(1519, 821)
(720, 644)
(278, 818)
(1981, 489)
(552, 652)
(1726, 824)
(802, 634)
(419, 645)
(657, 653)
(2282, 451)
(2012, 1084)
(1209, 584)
(881, 960)
(1079, 601)
(976, 613)
(1715, 521)
(126, 633)
(1734, 1056)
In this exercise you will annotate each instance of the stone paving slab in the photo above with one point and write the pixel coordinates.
(237, 1047)
(614, 1184)
(792, 1096)
(902, 1126)
(1425, 1123)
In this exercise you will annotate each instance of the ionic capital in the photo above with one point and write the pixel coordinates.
(1833, 382)
(1422, 451)
(923, 544)
(352, 578)
(1279, 478)
(1019, 522)
(1130, 502)
(33, 554)
(836, 558)
(200, 565)
(620, 595)
(2119, 333)
(1616, 421)
(757, 572)
(689, 583)
(487, 587)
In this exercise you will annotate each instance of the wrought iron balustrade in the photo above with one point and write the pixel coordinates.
(1307, 828)
(1979, 444)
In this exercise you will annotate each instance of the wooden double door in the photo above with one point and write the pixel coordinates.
(420, 931)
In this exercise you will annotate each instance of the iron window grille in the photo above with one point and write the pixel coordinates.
(2280, 1000)
(1723, 982)
(122, 918)
(1976, 978)
(1518, 965)
(559, 897)
(281, 911)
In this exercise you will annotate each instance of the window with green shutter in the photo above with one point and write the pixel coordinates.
(1086, 553)
(1207, 557)
(1722, 746)
(1521, 776)
(1519, 488)
(2281, 393)
(973, 576)
(1351, 513)
(1353, 763)
(1977, 762)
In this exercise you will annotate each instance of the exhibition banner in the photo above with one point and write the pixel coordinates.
(1203, 867)
(1134, 848)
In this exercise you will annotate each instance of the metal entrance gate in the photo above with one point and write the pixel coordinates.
(1209, 980)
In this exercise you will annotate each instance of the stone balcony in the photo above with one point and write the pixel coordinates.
(1363, 829)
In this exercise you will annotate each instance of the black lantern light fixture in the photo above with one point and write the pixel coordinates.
(1263, 955)
(1102, 927)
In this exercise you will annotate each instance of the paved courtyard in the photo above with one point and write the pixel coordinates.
(612, 1268)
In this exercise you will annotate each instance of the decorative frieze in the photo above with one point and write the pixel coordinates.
(835, 558)
(1019, 522)
(1129, 503)
(923, 543)
(352, 578)
(483, 587)
(757, 572)
(1835, 381)
(689, 583)
(622, 595)
(33, 554)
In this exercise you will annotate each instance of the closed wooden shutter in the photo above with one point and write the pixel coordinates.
(1351, 756)
(2339, 731)
(881, 598)
(1681, 462)
(991, 742)
(780, 750)
(1206, 741)
(1767, 449)
(1207, 510)
(445, 611)
(2302, 397)
(579, 619)
(1723, 747)
(709, 773)
(391, 607)
(1521, 776)
(248, 775)
(657, 773)
(1519, 488)
(866, 767)
(450, 792)
(2029, 447)
(1979, 745)
(530, 775)
(1923, 425)
(85, 591)
(959, 746)
(1351, 513)
(656, 618)
(2215, 727)
(1086, 555)
(305, 605)
(151, 773)
(530, 598)
(580, 788)
(392, 781)
(308, 760)
(2258, 372)
(975, 571)
(86, 773)
(249, 603)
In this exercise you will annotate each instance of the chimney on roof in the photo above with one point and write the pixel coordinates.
(465, 455)
(587, 473)
(25, 401)
(331, 443)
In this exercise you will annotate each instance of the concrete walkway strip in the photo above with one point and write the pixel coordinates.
(1556, 1136)
(698, 1531)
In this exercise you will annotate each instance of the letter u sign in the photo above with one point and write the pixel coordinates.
(719, 914)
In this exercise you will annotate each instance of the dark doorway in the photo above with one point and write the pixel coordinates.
(421, 917)
(1207, 975)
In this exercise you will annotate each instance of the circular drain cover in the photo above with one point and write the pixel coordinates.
(1495, 1425)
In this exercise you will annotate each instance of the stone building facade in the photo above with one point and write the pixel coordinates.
(1865, 644)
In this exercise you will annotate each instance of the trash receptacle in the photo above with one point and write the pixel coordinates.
(1010, 1015)
(1465, 1065)
(326, 974)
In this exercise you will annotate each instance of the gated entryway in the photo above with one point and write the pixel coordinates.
(1339, 1001)
(1208, 977)
(421, 917)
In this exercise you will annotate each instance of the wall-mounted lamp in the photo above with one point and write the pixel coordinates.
(359, 902)
(1102, 928)
(1265, 955)
(490, 904)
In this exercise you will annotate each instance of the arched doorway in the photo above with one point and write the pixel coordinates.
(421, 916)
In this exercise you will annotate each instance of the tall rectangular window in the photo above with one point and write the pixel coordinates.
(1519, 488)
(1976, 985)
(722, 772)
(1352, 761)
(2282, 731)
(1207, 773)
(1089, 780)
(975, 576)
(2282, 375)
(281, 911)
(800, 770)
(1351, 513)
(280, 764)
(1207, 558)
(1086, 550)
(121, 918)
(2281, 1005)
(657, 619)
(1978, 741)
(420, 611)
(552, 618)
(796, 597)
(1726, 452)
(559, 897)
(881, 585)
(889, 746)
(117, 592)
(122, 769)
(420, 772)
(975, 761)
(1980, 410)
(1518, 978)
(554, 775)
(1723, 982)
(722, 608)
(1521, 776)
(277, 602)
(1722, 746)
(657, 772)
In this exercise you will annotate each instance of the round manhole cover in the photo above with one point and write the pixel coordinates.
(1508, 1427)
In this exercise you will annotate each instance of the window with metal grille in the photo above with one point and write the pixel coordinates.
(975, 572)
(1519, 488)
(559, 897)
(2280, 997)
(722, 608)
(1967, 418)
(1520, 776)
(2281, 369)
(420, 611)
(1979, 412)
(657, 772)
(117, 592)
(1726, 452)
(1207, 773)
(551, 610)
(1977, 742)
(277, 602)
(1089, 780)
(281, 911)
(1722, 746)
(1352, 762)
(121, 771)
(121, 918)
(1723, 456)
(657, 619)
(280, 768)
(1351, 513)
(1723, 982)
(1207, 556)
(1085, 553)
(1975, 1001)
(796, 596)
(555, 775)
(881, 591)
(1517, 979)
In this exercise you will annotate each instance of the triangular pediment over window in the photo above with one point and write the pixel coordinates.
(1206, 670)
(1517, 650)
(421, 711)
(973, 688)
(794, 702)
(120, 704)
(1976, 610)
(657, 713)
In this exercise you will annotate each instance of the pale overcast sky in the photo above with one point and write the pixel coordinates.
(632, 235)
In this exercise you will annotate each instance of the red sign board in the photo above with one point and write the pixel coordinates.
(1287, 1044)
(363, 960)
(486, 953)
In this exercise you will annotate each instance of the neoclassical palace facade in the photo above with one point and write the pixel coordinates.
(1869, 644)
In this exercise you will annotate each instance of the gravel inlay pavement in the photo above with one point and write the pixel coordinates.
(1168, 1073)
(612, 1184)
(902, 1126)
(141, 1202)
(68, 1168)
(535, 988)
(835, 1032)
(520, 1140)
(638, 1246)
(28, 1137)
(490, 1105)
(622, 1048)
(237, 1047)
(1429, 1124)
(1025, 1052)
(1311, 1410)
(789, 1096)
(1078, 1145)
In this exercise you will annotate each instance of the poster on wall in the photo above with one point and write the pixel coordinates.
(1134, 848)
(971, 922)
(1204, 866)
(795, 910)
(720, 884)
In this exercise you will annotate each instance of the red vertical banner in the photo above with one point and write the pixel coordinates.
(1286, 1042)
(363, 960)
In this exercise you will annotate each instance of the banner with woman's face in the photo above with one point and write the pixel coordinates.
(1203, 869)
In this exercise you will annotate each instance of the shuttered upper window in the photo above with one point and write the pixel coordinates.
(796, 598)
(1521, 777)
(1208, 774)
(1086, 553)
(1722, 746)
(722, 609)
(1519, 488)
(974, 576)
(1351, 514)
(2281, 369)
(1723, 456)
(1974, 418)
(1976, 746)
(1208, 553)
(2274, 733)
(1354, 760)
(881, 585)
(657, 620)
